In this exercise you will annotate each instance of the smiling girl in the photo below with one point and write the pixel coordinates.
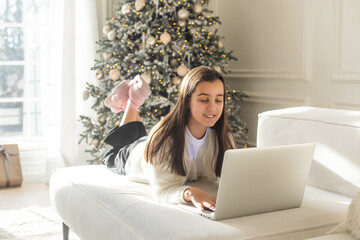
(187, 144)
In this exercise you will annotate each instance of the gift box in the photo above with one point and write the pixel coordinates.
(10, 167)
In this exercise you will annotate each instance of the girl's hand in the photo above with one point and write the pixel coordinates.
(200, 198)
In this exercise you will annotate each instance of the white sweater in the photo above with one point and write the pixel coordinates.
(169, 187)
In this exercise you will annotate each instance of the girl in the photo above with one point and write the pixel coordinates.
(186, 144)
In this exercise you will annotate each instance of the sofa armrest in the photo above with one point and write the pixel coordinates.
(336, 133)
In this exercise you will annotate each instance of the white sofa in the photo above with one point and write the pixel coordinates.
(97, 203)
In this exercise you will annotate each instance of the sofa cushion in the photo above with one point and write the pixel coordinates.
(88, 197)
(336, 165)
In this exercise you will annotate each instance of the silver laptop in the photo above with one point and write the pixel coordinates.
(259, 180)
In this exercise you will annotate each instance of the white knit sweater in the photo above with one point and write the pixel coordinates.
(169, 187)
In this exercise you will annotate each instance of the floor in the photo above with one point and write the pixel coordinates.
(25, 196)
(26, 213)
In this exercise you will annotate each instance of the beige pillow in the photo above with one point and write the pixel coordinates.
(352, 223)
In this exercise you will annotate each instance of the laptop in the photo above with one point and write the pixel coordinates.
(259, 180)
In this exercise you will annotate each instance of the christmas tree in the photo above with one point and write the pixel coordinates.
(161, 40)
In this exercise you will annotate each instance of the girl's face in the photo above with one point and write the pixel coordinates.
(206, 106)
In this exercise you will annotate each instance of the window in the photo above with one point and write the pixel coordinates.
(23, 70)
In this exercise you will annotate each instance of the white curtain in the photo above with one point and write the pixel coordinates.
(75, 26)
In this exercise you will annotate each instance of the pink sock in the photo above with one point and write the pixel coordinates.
(139, 91)
(118, 97)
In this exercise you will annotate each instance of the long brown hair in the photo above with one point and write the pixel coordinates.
(171, 129)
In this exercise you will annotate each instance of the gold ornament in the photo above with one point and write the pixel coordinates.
(182, 23)
(111, 35)
(176, 80)
(117, 123)
(218, 69)
(95, 142)
(106, 56)
(165, 37)
(106, 29)
(219, 44)
(102, 120)
(146, 77)
(102, 104)
(125, 9)
(182, 70)
(183, 13)
(86, 95)
(174, 62)
(139, 4)
(114, 74)
(192, 31)
(198, 9)
(99, 74)
(150, 41)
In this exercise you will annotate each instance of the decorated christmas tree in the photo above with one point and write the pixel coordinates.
(161, 40)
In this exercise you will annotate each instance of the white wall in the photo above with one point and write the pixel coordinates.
(292, 53)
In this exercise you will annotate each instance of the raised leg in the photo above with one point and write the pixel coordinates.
(130, 115)
(139, 118)
(65, 231)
